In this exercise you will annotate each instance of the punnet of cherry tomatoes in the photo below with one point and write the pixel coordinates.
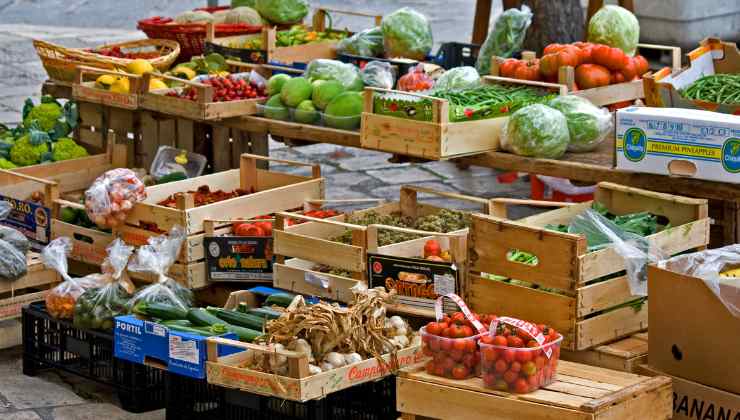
(512, 360)
(225, 89)
(452, 343)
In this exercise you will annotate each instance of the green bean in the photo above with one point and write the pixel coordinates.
(718, 88)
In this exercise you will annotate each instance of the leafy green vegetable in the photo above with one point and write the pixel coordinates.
(66, 148)
(459, 78)
(346, 74)
(538, 131)
(588, 124)
(23, 153)
(367, 43)
(282, 11)
(490, 101)
(506, 37)
(615, 26)
(407, 33)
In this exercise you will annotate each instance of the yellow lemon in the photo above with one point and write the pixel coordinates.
(105, 81)
(139, 66)
(155, 84)
(184, 72)
(120, 86)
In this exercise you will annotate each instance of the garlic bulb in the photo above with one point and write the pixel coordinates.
(301, 346)
(351, 358)
(401, 331)
(397, 322)
(400, 341)
(336, 359)
(326, 366)
(278, 360)
(314, 370)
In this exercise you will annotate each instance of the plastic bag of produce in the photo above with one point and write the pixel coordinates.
(13, 246)
(282, 11)
(243, 3)
(97, 307)
(346, 74)
(588, 124)
(506, 37)
(60, 301)
(406, 33)
(378, 74)
(718, 268)
(112, 196)
(636, 250)
(615, 26)
(459, 78)
(367, 43)
(538, 131)
(416, 80)
(156, 258)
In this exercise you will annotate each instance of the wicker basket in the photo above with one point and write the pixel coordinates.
(60, 62)
(192, 36)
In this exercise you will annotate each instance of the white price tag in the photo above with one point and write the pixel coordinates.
(444, 284)
(187, 351)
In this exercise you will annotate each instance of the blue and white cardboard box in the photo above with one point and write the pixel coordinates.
(147, 342)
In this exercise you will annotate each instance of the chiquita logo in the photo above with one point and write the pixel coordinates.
(635, 144)
(731, 155)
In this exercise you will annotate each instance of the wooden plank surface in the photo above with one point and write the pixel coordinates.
(296, 131)
(625, 354)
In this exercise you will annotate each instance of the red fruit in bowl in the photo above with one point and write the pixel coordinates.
(510, 376)
(514, 341)
(500, 340)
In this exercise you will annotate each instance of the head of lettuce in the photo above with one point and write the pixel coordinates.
(406, 33)
(616, 27)
(282, 11)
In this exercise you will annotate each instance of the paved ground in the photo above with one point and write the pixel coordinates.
(350, 173)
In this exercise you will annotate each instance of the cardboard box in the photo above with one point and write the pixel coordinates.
(692, 334)
(681, 142)
(712, 57)
(149, 343)
(694, 401)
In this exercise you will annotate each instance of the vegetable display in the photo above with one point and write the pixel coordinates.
(538, 131)
(459, 78)
(588, 124)
(203, 196)
(296, 35)
(225, 89)
(490, 101)
(366, 43)
(506, 37)
(615, 26)
(324, 69)
(112, 196)
(406, 33)
(717, 88)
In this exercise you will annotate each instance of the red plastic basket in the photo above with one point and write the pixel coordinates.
(192, 36)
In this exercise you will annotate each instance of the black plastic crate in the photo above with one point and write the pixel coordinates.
(50, 343)
(457, 54)
(191, 399)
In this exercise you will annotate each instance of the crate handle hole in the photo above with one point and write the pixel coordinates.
(676, 352)
(83, 238)
(522, 257)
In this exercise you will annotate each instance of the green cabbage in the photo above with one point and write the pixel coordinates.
(367, 43)
(407, 33)
(506, 37)
(240, 3)
(243, 14)
(615, 26)
(538, 131)
(588, 124)
(194, 16)
(459, 78)
(346, 74)
(282, 11)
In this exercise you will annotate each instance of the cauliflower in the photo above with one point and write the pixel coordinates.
(6, 164)
(23, 153)
(46, 114)
(66, 148)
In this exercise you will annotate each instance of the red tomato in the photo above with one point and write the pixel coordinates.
(448, 364)
(609, 57)
(592, 75)
(514, 341)
(459, 318)
(550, 63)
(426, 350)
(552, 48)
(266, 228)
(447, 332)
(515, 367)
(444, 324)
(529, 368)
(445, 345)
(641, 65)
(510, 376)
(459, 345)
(524, 356)
(532, 343)
(629, 71)
(433, 328)
(470, 346)
(521, 386)
(533, 382)
(456, 355)
(489, 354)
(469, 360)
(249, 229)
(439, 370)
(499, 340)
(467, 331)
(430, 367)
(489, 379)
(508, 67)
(523, 335)
(501, 366)
(616, 77)
(434, 345)
(528, 71)
(432, 247)
(540, 362)
(486, 339)
(509, 355)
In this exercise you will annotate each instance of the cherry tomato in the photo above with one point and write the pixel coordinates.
(469, 360)
(501, 366)
(486, 339)
(433, 328)
(515, 367)
(499, 340)
(430, 367)
(540, 362)
(489, 379)
(445, 345)
(509, 355)
(434, 344)
(467, 331)
(521, 386)
(514, 341)
(489, 354)
(448, 364)
(470, 346)
(529, 368)
(524, 356)
(533, 382)
(456, 355)
(460, 372)
(510, 376)
(459, 345)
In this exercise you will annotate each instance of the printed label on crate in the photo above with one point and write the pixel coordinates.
(185, 350)
(31, 219)
(418, 282)
(239, 258)
(122, 100)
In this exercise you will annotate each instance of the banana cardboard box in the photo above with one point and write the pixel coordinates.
(679, 142)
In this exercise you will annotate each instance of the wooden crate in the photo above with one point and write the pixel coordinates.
(275, 191)
(85, 90)
(604, 95)
(298, 385)
(287, 55)
(579, 392)
(626, 354)
(30, 288)
(439, 138)
(301, 243)
(584, 313)
(201, 109)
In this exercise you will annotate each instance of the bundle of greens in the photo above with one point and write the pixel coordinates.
(490, 101)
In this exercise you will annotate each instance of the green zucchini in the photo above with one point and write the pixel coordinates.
(237, 318)
(280, 299)
(216, 329)
(202, 318)
(179, 322)
(264, 313)
(159, 310)
(243, 308)
(244, 334)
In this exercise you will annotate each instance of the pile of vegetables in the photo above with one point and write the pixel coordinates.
(112, 196)
(243, 14)
(203, 196)
(490, 101)
(296, 35)
(211, 64)
(717, 88)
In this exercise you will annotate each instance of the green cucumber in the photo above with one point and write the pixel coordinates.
(217, 329)
(178, 322)
(280, 299)
(159, 310)
(237, 318)
(266, 313)
(244, 334)
(243, 308)
(202, 318)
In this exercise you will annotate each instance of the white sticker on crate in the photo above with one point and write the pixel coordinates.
(186, 351)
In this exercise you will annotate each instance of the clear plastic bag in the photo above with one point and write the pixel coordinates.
(112, 196)
(13, 246)
(345, 73)
(97, 307)
(156, 258)
(378, 74)
(367, 43)
(459, 78)
(416, 80)
(506, 37)
(588, 124)
(636, 250)
(407, 33)
(60, 301)
(537, 131)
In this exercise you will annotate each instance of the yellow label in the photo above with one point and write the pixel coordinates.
(699, 151)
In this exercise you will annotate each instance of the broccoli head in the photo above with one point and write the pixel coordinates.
(6, 164)
(66, 148)
(46, 114)
(23, 153)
